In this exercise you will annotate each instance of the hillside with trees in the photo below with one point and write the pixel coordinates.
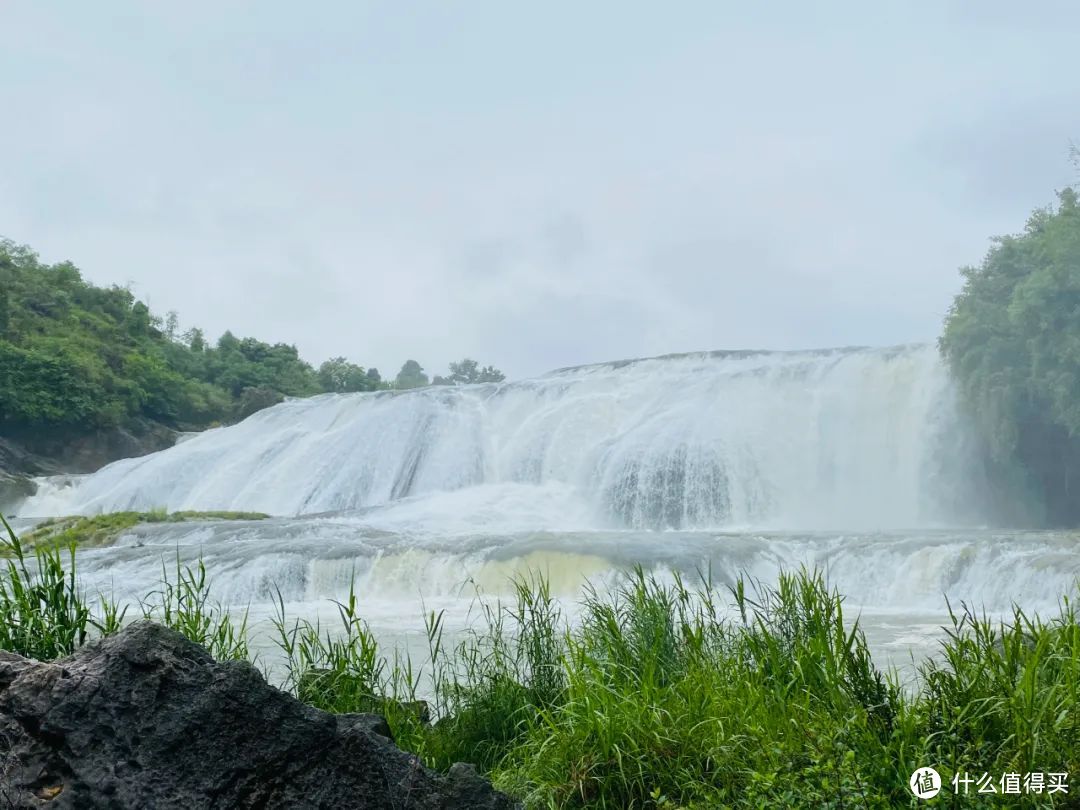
(1012, 340)
(80, 360)
(90, 374)
(77, 355)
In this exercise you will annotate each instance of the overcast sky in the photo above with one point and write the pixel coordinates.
(534, 185)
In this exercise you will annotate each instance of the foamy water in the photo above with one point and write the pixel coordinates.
(846, 438)
(896, 582)
(851, 461)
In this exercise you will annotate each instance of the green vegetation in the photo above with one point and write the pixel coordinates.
(468, 372)
(183, 604)
(411, 376)
(45, 615)
(464, 372)
(1012, 339)
(102, 530)
(340, 376)
(79, 357)
(652, 699)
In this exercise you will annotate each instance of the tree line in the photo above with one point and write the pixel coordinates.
(464, 372)
(79, 356)
(76, 355)
(1012, 340)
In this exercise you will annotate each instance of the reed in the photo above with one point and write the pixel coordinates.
(43, 614)
(183, 603)
(660, 695)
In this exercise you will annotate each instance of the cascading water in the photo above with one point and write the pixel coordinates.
(854, 461)
(845, 438)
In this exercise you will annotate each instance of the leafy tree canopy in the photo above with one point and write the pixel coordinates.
(467, 372)
(79, 356)
(411, 376)
(1012, 339)
(339, 375)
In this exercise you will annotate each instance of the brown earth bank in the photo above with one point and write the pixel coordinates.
(147, 719)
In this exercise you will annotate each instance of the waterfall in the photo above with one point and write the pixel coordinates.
(864, 438)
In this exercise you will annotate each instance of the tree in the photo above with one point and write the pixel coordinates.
(140, 321)
(172, 324)
(74, 356)
(5, 307)
(228, 342)
(340, 376)
(465, 372)
(195, 340)
(1012, 340)
(490, 374)
(411, 376)
(468, 372)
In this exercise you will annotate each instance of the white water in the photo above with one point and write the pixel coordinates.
(846, 438)
(853, 461)
(896, 581)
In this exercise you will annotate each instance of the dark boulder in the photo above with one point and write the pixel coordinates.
(146, 719)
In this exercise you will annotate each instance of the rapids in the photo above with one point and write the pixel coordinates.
(854, 461)
(856, 438)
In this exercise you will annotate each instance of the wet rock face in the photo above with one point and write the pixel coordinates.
(59, 450)
(14, 488)
(147, 719)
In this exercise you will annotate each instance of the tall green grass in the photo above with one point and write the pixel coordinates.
(480, 692)
(658, 695)
(1005, 694)
(493, 682)
(183, 604)
(669, 704)
(43, 614)
(335, 671)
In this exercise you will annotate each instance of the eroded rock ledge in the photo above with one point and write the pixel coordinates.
(146, 719)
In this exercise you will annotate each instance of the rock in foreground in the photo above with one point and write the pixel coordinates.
(147, 719)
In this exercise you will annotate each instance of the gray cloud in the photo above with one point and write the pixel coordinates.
(534, 186)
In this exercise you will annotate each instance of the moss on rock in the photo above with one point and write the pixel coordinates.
(102, 530)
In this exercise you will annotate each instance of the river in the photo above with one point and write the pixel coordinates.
(721, 464)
